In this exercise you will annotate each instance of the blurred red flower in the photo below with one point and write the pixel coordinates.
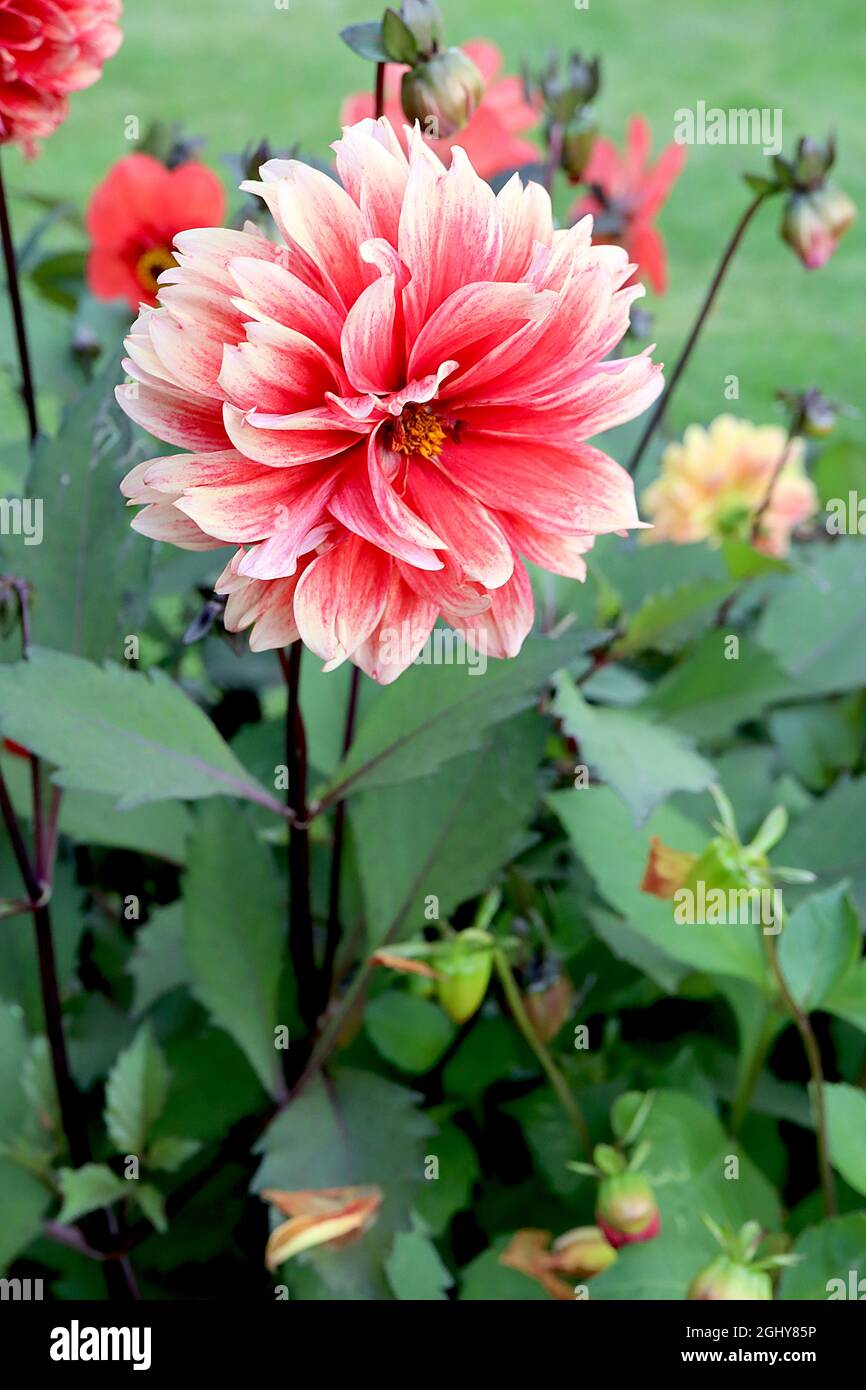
(49, 48)
(491, 138)
(133, 218)
(627, 195)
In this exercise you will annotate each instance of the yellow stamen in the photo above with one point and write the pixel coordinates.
(151, 265)
(418, 431)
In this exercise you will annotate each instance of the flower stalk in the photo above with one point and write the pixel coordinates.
(300, 912)
(27, 389)
(661, 406)
(546, 1062)
(804, 1027)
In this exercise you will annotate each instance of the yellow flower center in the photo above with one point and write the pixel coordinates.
(418, 431)
(151, 265)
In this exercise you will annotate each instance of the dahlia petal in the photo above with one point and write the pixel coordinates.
(450, 235)
(371, 354)
(405, 625)
(558, 554)
(366, 504)
(192, 421)
(473, 320)
(567, 490)
(257, 507)
(527, 218)
(647, 248)
(110, 277)
(176, 472)
(192, 356)
(164, 523)
(193, 196)
(340, 598)
(471, 534)
(283, 441)
(128, 199)
(501, 630)
(271, 380)
(446, 587)
(373, 169)
(271, 292)
(318, 216)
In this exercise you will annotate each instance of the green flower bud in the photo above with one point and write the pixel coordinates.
(626, 1210)
(464, 974)
(442, 92)
(728, 1279)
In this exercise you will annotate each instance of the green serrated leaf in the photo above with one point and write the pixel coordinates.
(414, 1267)
(90, 573)
(235, 947)
(409, 1032)
(136, 738)
(169, 1153)
(642, 761)
(135, 1093)
(88, 1188)
(433, 714)
(152, 1203)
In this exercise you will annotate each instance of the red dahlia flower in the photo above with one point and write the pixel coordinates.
(491, 137)
(134, 216)
(49, 48)
(386, 410)
(628, 195)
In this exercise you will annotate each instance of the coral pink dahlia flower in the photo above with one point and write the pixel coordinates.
(49, 48)
(134, 216)
(491, 137)
(388, 408)
(627, 196)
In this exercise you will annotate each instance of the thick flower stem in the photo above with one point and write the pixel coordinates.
(548, 1066)
(333, 936)
(27, 392)
(300, 912)
(803, 1025)
(655, 418)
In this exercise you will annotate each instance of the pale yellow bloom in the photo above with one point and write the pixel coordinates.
(713, 484)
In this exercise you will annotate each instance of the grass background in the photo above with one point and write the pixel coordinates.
(236, 70)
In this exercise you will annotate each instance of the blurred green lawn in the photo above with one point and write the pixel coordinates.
(235, 70)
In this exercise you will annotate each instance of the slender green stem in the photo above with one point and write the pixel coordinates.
(752, 1071)
(546, 1062)
(803, 1025)
(655, 418)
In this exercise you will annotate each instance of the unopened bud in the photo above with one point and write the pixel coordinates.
(627, 1211)
(464, 975)
(577, 143)
(582, 1252)
(445, 90)
(725, 1279)
(814, 222)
